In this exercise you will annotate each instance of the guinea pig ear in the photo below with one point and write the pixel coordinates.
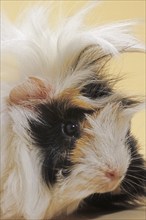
(132, 106)
(30, 92)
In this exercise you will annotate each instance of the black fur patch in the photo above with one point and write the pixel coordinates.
(47, 134)
(129, 102)
(135, 179)
(96, 90)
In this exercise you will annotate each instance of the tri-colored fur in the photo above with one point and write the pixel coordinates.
(65, 129)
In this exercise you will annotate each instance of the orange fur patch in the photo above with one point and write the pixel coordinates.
(77, 153)
(73, 98)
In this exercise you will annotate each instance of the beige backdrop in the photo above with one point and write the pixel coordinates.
(133, 65)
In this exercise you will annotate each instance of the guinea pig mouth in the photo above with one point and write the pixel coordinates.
(108, 187)
(109, 183)
(113, 186)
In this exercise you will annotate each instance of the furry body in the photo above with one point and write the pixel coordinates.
(65, 130)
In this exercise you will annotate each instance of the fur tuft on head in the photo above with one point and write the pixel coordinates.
(44, 51)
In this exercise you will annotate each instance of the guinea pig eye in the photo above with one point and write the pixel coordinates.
(70, 129)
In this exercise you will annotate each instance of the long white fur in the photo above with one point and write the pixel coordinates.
(43, 52)
(38, 48)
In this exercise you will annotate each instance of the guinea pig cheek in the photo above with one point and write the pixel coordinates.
(91, 168)
(112, 168)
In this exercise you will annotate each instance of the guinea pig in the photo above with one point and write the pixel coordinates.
(66, 131)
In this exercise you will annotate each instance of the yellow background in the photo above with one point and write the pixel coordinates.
(133, 65)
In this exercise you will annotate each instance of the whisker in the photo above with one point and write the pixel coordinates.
(135, 158)
(132, 196)
(141, 167)
(135, 152)
(136, 177)
(135, 171)
(132, 182)
(128, 183)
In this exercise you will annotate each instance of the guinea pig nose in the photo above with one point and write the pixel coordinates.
(112, 174)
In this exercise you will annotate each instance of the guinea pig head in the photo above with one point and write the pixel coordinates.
(82, 144)
(102, 151)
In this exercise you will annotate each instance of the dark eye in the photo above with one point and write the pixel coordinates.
(71, 129)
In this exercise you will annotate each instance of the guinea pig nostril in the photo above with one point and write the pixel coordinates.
(112, 174)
